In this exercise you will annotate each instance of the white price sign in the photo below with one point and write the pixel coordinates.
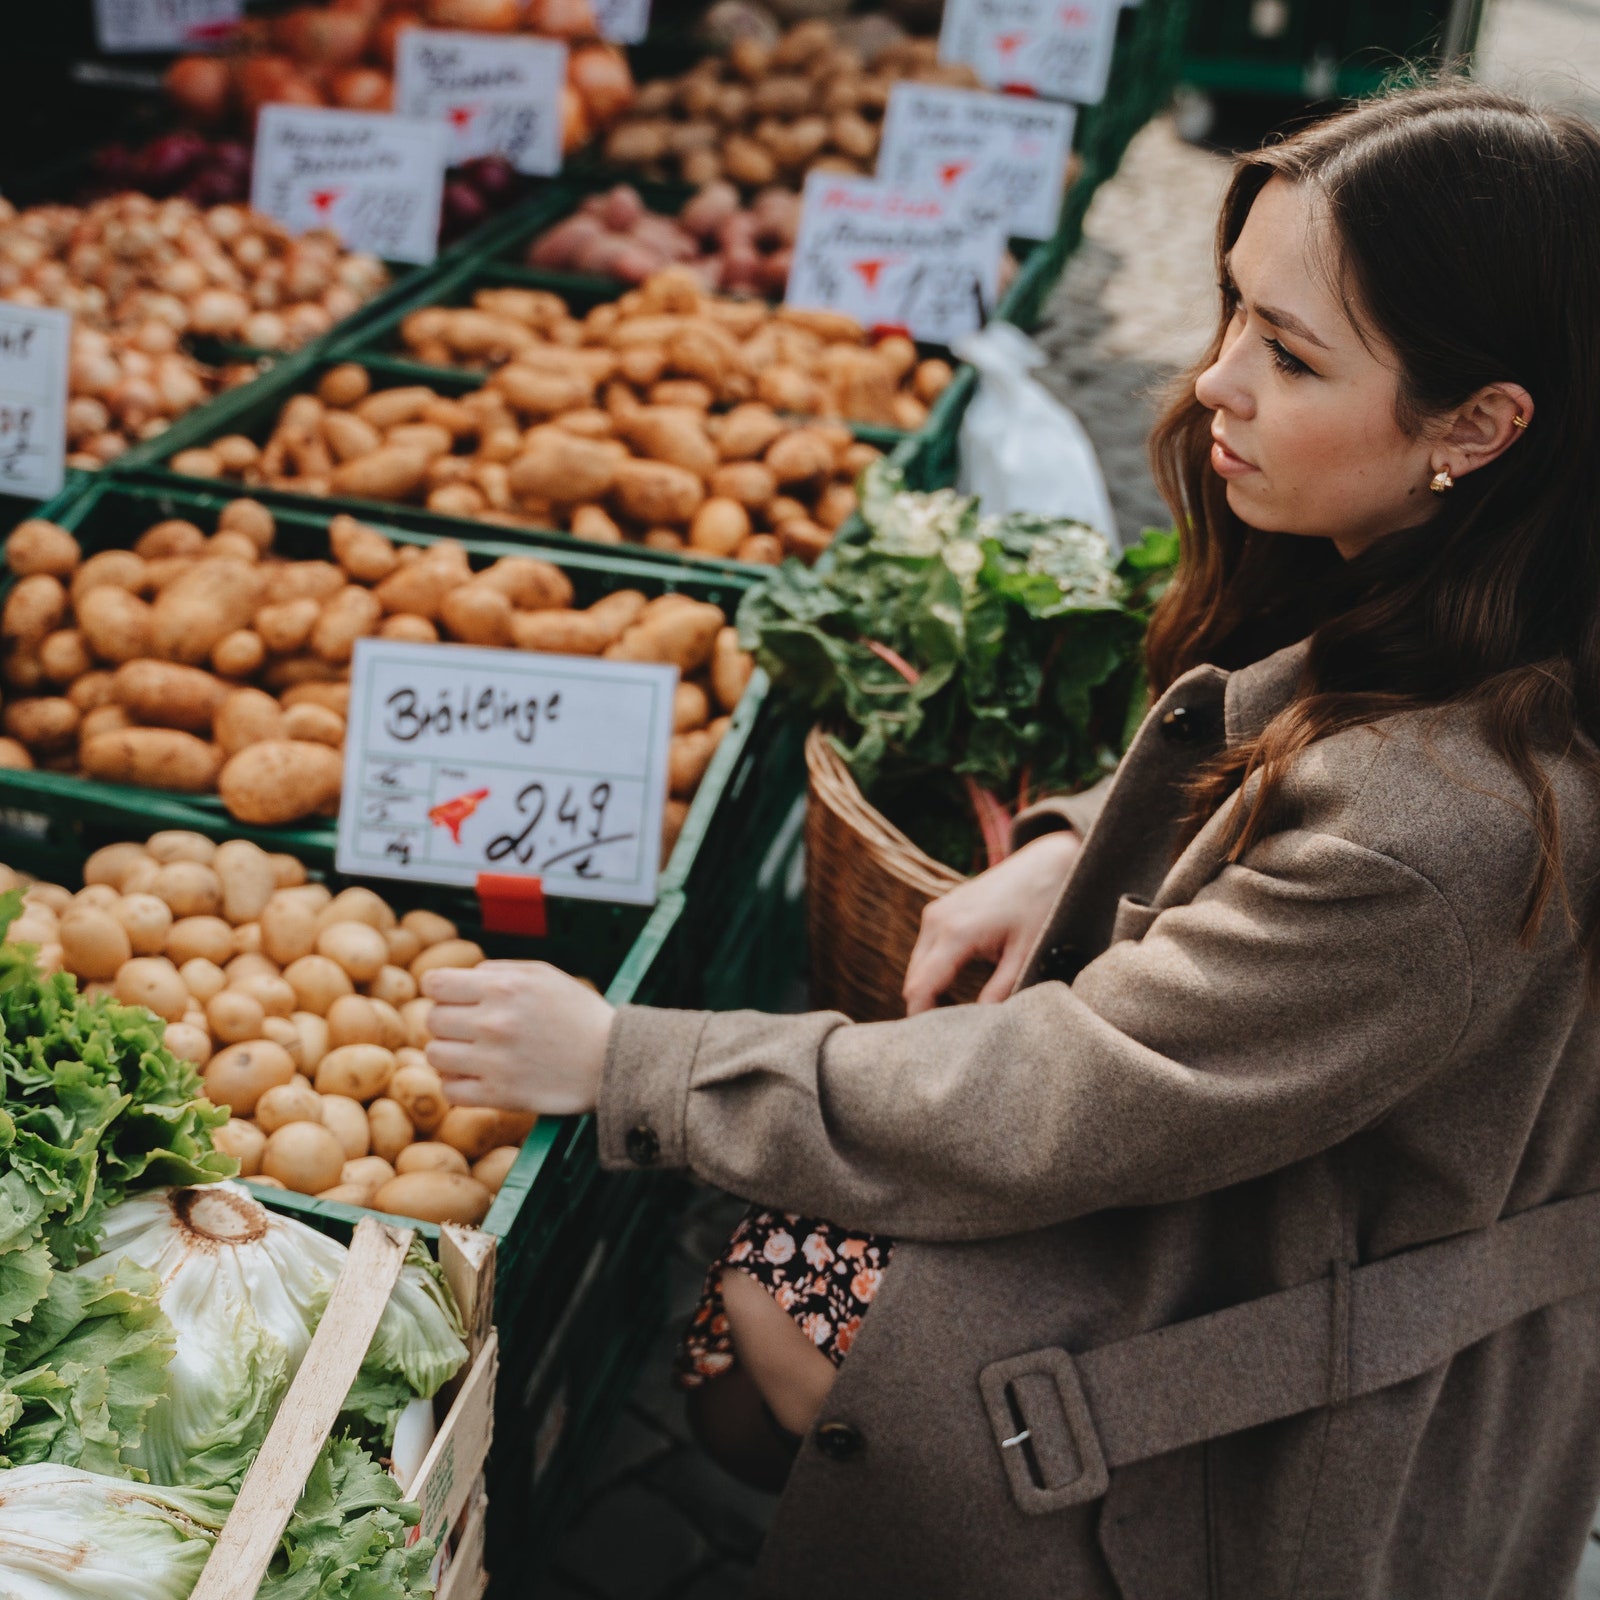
(1057, 48)
(375, 180)
(133, 25)
(35, 345)
(938, 138)
(896, 258)
(495, 94)
(623, 21)
(461, 761)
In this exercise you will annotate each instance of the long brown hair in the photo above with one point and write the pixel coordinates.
(1467, 227)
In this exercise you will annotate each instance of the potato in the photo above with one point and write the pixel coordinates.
(174, 537)
(572, 633)
(472, 1130)
(592, 523)
(557, 465)
(390, 1127)
(312, 1032)
(285, 1103)
(91, 691)
(492, 1169)
(691, 708)
(447, 953)
(64, 656)
(392, 472)
(279, 781)
(314, 724)
(731, 668)
(166, 695)
(352, 1019)
(404, 626)
(352, 614)
(103, 719)
(419, 1090)
(530, 584)
(180, 844)
(477, 613)
(415, 1016)
(234, 1016)
(246, 717)
(248, 879)
(317, 982)
(672, 434)
(720, 526)
(110, 863)
(286, 626)
(153, 982)
(369, 1170)
(101, 896)
(799, 457)
(418, 588)
(277, 996)
(361, 1071)
(749, 484)
(404, 948)
(203, 938)
(356, 904)
(428, 1156)
(288, 927)
(44, 724)
(202, 978)
(682, 634)
(94, 944)
(115, 624)
(238, 654)
(367, 555)
(393, 983)
(656, 493)
(346, 1119)
(189, 1043)
(190, 888)
(36, 606)
(154, 758)
(688, 756)
(243, 1141)
(748, 431)
(37, 546)
(434, 1197)
(345, 385)
(190, 615)
(428, 926)
(304, 1156)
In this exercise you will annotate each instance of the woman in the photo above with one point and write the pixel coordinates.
(1201, 1283)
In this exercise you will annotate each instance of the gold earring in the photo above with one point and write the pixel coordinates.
(1442, 481)
(1519, 422)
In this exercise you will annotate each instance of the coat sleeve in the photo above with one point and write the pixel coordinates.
(1077, 811)
(1298, 996)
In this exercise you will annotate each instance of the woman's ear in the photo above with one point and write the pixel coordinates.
(1485, 427)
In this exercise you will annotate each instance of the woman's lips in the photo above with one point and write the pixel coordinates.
(1228, 465)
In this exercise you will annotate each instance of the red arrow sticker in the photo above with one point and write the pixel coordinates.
(1005, 43)
(460, 116)
(952, 170)
(323, 199)
(870, 271)
(452, 813)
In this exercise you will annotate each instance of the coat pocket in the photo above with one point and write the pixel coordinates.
(1133, 919)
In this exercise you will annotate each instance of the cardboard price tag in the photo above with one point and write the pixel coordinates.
(623, 21)
(496, 94)
(138, 25)
(375, 180)
(461, 762)
(35, 346)
(897, 258)
(940, 138)
(1060, 49)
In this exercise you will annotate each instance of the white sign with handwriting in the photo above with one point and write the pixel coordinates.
(35, 347)
(896, 258)
(496, 94)
(940, 138)
(461, 761)
(375, 180)
(1060, 49)
(138, 25)
(623, 21)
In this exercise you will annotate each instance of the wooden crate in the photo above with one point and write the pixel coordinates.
(448, 1486)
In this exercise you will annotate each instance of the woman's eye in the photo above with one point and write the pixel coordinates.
(1284, 360)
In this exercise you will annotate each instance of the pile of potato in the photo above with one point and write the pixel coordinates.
(200, 664)
(300, 1007)
(705, 352)
(772, 113)
(558, 438)
(139, 274)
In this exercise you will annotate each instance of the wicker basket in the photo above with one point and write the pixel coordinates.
(866, 885)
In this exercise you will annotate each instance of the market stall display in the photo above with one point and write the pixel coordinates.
(204, 664)
(560, 439)
(958, 667)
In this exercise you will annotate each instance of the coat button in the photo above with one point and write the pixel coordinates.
(643, 1146)
(1182, 725)
(838, 1441)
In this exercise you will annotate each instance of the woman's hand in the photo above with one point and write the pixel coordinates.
(517, 1035)
(994, 917)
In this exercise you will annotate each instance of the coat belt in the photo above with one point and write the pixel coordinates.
(1064, 1421)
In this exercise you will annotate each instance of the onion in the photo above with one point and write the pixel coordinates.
(323, 38)
(599, 72)
(388, 34)
(218, 311)
(362, 89)
(340, 302)
(226, 222)
(250, 251)
(199, 87)
(105, 447)
(86, 417)
(260, 79)
(478, 16)
(563, 19)
(305, 322)
(155, 337)
(266, 331)
(576, 129)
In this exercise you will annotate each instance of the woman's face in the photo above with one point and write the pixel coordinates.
(1303, 411)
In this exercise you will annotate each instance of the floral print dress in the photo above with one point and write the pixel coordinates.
(824, 1276)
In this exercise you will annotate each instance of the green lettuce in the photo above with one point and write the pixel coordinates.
(965, 664)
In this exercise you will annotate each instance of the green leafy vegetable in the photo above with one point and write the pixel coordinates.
(965, 664)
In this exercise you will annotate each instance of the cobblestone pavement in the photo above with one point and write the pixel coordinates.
(657, 1521)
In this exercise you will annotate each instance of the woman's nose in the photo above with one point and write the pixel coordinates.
(1223, 386)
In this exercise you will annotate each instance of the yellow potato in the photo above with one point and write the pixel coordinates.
(188, 1042)
(370, 1170)
(248, 879)
(202, 978)
(154, 758)
(275, 994)
(394, 984)
(448, 953)
(180, 844)
(285, 1103)
(428, 1156)
(209, 938)
(110, 863)
(313, 1035)
(353, 1020)
(239, 1076)
(419, 1091)
(94, 944)
(472, 1130)
(391, 1128)
(200, 607)
(114, 623)
(190, 888)
(491, 1170)
(281, 1030)
(317, 982)
(361, 950)
(153, 982)
(246, 717)
(234, 1016)
(288, 927)
(414, 1013)
(434, 1197)
(347, 1120)
(357, 905)
(281, 780)
(361, 1071)
(304, 1156)
(39, 546)
(163, 694)
(244, 1141)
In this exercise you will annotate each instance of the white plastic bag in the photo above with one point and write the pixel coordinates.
(1021, 449)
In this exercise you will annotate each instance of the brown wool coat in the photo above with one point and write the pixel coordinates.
(1330, 1052)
